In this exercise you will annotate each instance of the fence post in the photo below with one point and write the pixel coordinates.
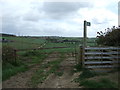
(118, 59)
(75, 52)
(15, 55)
(79, 55)
(81, 61)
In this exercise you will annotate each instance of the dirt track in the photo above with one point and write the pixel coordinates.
(64, 81)
(21, 80)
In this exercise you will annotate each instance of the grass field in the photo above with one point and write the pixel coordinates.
(23, 57)
(30, 42)
(24, 43)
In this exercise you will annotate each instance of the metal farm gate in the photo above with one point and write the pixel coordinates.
(100, 59)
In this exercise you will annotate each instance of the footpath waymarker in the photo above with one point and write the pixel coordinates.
(85, 32)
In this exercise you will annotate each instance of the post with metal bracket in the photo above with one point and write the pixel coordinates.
(85, 32)
(82, 49)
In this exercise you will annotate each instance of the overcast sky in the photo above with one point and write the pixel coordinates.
(60, 18)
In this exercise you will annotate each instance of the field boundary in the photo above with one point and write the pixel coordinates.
(41, 48)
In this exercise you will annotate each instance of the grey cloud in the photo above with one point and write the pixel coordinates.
(54, 10)
(15, 25)
(9, 25)
(62, 9)
(59, 7)
(30, 17)
(39, 20)
(99, 21)
(53, 31)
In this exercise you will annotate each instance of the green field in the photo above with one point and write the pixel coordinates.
(30, 42)
(36, 56)
(24, 43)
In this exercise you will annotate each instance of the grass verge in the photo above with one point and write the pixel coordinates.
(86, 74)
(9, 70)
(102, 83)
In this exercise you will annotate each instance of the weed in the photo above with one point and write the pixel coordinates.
(108, 83)
(77, 68)
(10, 70)
(34, 56)
(85, 74)
(31, 53)
(38, 59)
(60, 73)
(8, 55)
(102, 83)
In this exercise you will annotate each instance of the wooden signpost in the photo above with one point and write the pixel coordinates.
(85, 32)
(82, 48)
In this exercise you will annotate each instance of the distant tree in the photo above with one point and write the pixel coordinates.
(111, 37)
(7, 35)
(51, 39)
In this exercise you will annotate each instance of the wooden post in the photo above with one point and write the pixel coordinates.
(118, 59)
(75, 51)
(15, 55)
(85, 34)
(81, 56)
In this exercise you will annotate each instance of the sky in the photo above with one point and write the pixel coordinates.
(57, 17)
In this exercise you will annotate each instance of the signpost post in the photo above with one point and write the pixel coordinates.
(85, 32)
(82, 48)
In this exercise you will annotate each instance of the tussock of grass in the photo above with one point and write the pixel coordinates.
(10, 70)
(35, 56)
(31, 53)
(102, 83)
(59, 73)
(77, 68)
(87, 74)
(38, 59)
